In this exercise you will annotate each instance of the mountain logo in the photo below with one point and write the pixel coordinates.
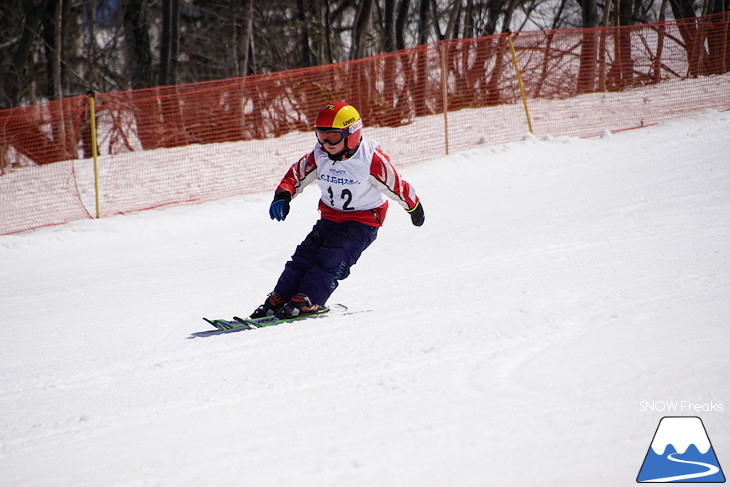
(681, 452)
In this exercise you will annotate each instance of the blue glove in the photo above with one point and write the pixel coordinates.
(279, 208)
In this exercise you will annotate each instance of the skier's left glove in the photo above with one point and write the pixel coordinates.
(279, 208)
(417, 216)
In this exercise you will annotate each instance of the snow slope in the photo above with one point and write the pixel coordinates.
(556, 283)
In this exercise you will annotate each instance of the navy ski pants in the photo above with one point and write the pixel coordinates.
(324, 258)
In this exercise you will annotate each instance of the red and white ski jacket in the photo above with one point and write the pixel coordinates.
(352, 189)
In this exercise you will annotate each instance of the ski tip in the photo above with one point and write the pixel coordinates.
(222, 325)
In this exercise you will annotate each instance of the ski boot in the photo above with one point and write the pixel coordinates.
(271, 306)
(299, 305)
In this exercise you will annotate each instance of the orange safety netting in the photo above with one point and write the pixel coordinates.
(205, 141)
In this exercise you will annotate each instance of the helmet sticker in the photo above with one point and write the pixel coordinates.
(356, 126)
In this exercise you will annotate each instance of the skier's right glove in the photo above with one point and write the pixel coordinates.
(417, 216)
(279, 208)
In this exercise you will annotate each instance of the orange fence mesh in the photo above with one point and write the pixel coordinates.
(207, 141)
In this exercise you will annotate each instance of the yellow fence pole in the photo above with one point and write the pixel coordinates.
(94, 151)
(519, 80)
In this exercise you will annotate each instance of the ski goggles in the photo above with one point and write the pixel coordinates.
(331, 136)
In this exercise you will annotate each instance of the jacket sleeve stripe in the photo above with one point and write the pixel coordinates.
(299, 175)
(384, 176)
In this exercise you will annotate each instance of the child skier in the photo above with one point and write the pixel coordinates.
(353, 173)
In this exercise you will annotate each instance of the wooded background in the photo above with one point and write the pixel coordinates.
(50, 49)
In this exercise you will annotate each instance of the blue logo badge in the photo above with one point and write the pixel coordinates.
(681, 452)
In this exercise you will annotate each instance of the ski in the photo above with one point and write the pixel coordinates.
(238, 323)
(228, 324)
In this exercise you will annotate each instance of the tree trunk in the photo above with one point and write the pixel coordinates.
(244, 38)
(139, 66)
(60, 132)
(401, 21)
(685, 14)
(137, 39)
(717, 42)
(14, 78)
(360, 28)
(305, 51)
(165, 42)
(48, 35)
(509, 11)
(58, 51)
(423, 21)
(388, 26)
(622, 70)
(588, 51)
(494, 94)
(419, 75)
(451, 25)
(174, 41)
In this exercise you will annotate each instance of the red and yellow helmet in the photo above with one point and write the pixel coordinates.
(338, 121)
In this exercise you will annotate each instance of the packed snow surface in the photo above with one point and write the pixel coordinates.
(558, 286)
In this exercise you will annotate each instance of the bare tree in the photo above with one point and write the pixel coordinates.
(401, 20)
(360, 28)
(304, 14)
(112, 46)
(244, 38)
(388, 43)
(169, 42)
(137, 41)
(15, 79)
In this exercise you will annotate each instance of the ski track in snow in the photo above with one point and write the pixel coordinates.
(555, 284)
